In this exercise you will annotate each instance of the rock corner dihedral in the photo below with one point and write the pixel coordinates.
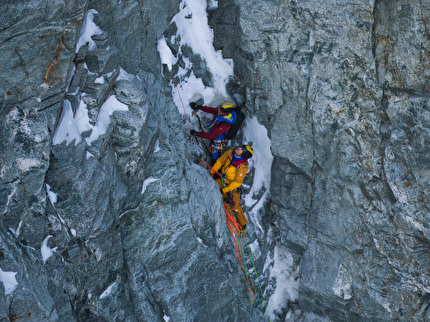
(111, 220)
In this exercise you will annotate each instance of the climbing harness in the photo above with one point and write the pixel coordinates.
(223, 179)
(218, 146)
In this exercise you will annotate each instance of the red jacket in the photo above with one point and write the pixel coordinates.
(217, 129)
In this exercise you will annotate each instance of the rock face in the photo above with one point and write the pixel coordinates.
(121, 214)
(137, 231)
(343, 90)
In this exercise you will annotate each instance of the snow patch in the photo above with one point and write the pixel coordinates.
(255, 249)
(99, 80)
(88, 29)
(287, 282)
(45, 250)
(9, 281)
(52, 196)
(157, 146)
(147, 182)
(18, 230)
(123, 75)
(256, 135)
(108, 291)
(166, 318)
(71, 126)
(166, 56)
(194, 31)
(103, 119)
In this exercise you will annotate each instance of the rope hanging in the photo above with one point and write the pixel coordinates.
(238, 240)
(180, 98)
(235, 230)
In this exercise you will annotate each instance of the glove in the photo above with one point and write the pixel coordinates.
(195, 106)
(193, 133)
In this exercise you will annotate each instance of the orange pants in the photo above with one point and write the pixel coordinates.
(235, 195)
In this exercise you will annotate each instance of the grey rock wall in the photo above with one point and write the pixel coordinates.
(120, 251)
(342, 89)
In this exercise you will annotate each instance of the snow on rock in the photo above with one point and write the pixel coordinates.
(9, 281)
(88, 29)
(106, 110)
(166, 55)
(45, 250)
(193, 28)
(51, 195)
(71, 126)
(194, 31)
(287, 282)
(147, 182)
(256, 135)
(108, 291)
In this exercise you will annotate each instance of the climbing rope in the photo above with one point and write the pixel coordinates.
(233, 226)
(196, 142)
(238, 240)
(206, 150)
(192, 139)
(180, 98)
(237, 235)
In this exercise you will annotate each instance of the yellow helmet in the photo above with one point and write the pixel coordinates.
(226, 107)
(248, 152)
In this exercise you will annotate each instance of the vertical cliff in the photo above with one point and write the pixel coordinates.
(343, 90)
(105, 216)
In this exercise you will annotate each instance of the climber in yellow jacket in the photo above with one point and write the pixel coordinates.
(233, 166)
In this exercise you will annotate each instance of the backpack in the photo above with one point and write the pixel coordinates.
(240, 117)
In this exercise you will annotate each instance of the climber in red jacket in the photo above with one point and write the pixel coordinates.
(224, 117)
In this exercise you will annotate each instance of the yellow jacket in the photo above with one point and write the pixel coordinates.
(233, 177)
